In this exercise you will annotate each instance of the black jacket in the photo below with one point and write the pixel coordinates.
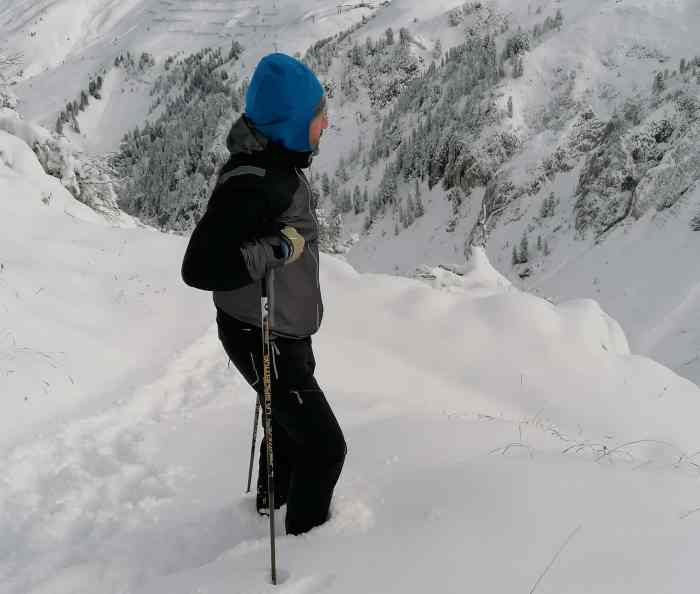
(260, 190)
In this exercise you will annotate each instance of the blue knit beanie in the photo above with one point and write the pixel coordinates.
(282, 99)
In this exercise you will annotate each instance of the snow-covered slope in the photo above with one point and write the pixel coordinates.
(605, 55)
(496, 440)
(620, 231)
(486, 429)
(87, 309)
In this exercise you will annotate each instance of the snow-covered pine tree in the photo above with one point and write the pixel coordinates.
(410, 210)
(524, 250)
(330, 229)
(389, 36)
(341, 172)
(659, 83)
(517, 44)
(357, 200)
(420, 209)
(325, 184)
(358, 55)
(518, 67)
(695, 223)
(346, 204)
(235, 51)
(558, 20)
(386, 192)
(548, 207)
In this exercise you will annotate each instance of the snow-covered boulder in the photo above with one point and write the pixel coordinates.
(23, 180)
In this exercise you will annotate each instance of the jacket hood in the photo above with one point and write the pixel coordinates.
(245, 139)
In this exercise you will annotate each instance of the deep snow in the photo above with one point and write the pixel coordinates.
(486, 426)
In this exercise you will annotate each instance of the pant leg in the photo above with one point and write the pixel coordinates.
(308, 444)
(318, 463)
(301, 409)
(243, 345)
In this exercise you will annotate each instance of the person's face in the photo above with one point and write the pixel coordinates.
(318, 125)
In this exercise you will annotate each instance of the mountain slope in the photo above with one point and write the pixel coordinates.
(584, 127)
(102, 30)
(504, 441)
(78, 297)
(483, 424)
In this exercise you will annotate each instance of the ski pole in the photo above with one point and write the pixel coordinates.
(255, 437)
(267, 417)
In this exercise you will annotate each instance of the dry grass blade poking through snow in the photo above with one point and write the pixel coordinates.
(554, 559)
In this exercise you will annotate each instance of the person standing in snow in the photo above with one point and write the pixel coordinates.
(259, 223)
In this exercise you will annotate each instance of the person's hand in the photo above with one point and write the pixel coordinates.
(294, 243)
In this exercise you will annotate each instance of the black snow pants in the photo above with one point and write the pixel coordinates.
(308, 445)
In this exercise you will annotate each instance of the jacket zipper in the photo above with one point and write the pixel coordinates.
(315, 220)
(310, 194)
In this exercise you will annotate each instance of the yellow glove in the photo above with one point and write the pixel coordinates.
(295, 244)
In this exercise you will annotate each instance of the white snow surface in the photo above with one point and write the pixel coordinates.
(491, 433)
(498, 441)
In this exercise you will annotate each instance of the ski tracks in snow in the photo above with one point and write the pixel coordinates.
(672, 320)
(73, 502)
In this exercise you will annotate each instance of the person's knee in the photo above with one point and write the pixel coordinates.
(337, 450)
(328, 451)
